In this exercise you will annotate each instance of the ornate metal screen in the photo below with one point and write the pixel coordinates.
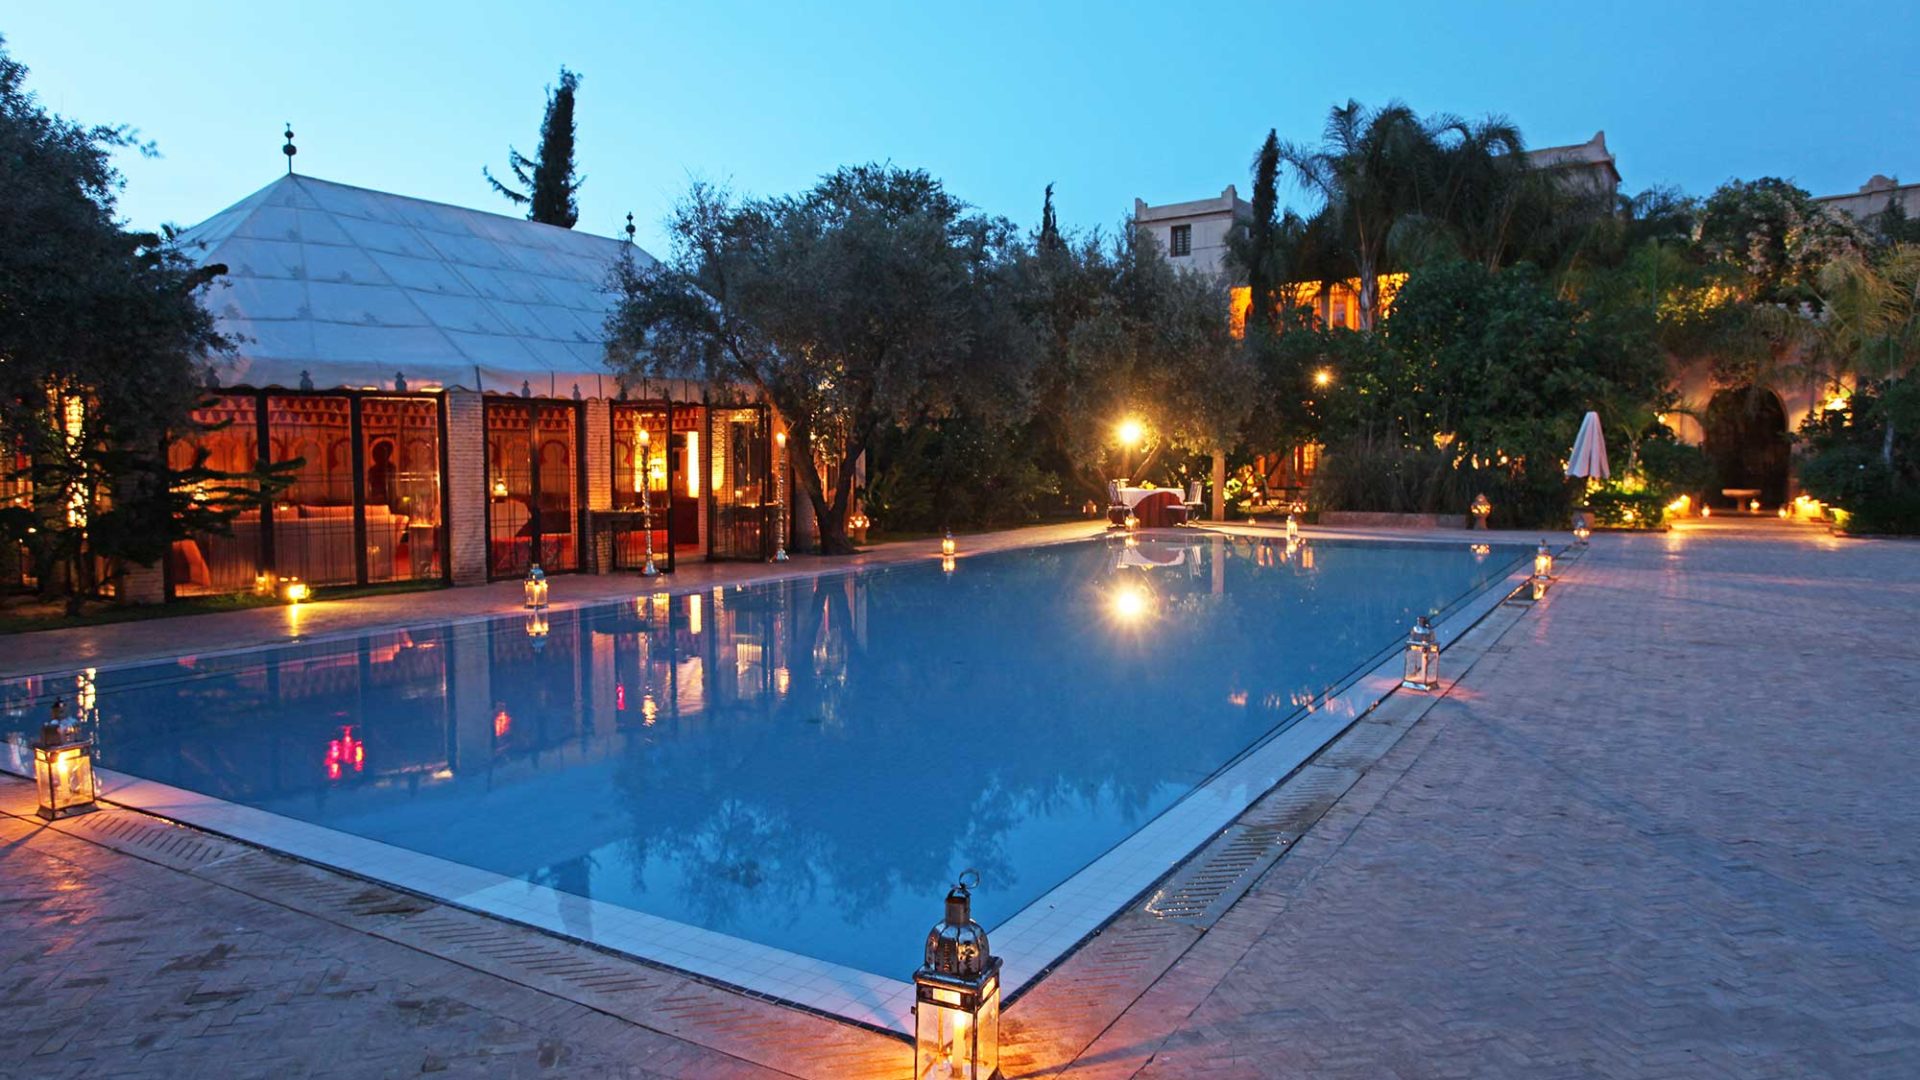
(742, 490)
(533, 482)
(636, 469)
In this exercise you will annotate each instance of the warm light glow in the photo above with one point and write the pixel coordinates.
(780, 439)
(782, 681)
(1837, 401)
(1131, 602)
(293, 590)
(1753, 505)
(1785, 513)
(502, 724)
(947, 563)
(693, 612)
(1323, 377)
(1443, 439)
(499, 487)
(1133, 521)
(649, 710)
(693, 465)
(1130, 433)
(1679, 505)
(1706, 511)
(947, 545)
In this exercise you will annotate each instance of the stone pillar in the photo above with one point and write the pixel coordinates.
(599, 464)
(1219, 485)
(466, 482)
(143, 584)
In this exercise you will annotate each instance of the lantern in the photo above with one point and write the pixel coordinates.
(63, 767)
(264, 584)
(947, 563)
(1543, 562)
(1132, 521)
(947, 546)
(857, 525)
(956, 1012)
(1582, 527)
(1481, 508)
(1423, 657)
(1753, 506)
(1293, 527)
(536, 587)
(292, 590)
(537, 629)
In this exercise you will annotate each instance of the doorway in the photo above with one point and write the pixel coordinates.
(1746, 443)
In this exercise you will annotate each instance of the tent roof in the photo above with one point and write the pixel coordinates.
(354, 286)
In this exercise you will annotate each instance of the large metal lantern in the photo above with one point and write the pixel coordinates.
(63, 768)
(1293, 527)
(536, 587)
(1582, 527)
(1543, 564)
(1423, 657)
(1481, 509)
(947, 546)
(956, 1012)
(291, 590)
(780, 499)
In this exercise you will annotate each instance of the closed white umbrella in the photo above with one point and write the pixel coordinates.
(1589, 457)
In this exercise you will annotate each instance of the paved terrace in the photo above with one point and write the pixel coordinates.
(1662, 826)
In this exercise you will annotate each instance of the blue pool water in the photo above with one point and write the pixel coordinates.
(805, 764)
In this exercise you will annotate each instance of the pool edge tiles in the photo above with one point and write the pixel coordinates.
(1032, 940)
(821, 985)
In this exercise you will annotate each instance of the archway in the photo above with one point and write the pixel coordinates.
(1746, 442)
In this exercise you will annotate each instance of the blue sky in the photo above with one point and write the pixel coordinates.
(1108, 100)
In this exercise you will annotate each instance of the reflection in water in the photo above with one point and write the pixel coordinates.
(802, 763)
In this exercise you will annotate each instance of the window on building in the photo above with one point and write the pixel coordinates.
(1180, 241)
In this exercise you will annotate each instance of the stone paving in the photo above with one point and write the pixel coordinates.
(1664, 827)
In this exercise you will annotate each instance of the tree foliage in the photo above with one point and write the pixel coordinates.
(874, 298)
(549, 185)
(101, 336)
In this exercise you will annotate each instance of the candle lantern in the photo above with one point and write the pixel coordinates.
(1543, 564)
(857, 525)
(956, 1012)
(1481, 509)
(947, 546)
(1293, 527)
(292, 590)
(1423, 657)
(643, 474)
(536, 587)
(1582, 527)
(1132, 521)
(63, 767)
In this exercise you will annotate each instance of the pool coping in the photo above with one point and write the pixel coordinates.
(1032, 941)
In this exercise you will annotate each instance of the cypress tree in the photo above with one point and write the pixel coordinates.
(1049, 224)
(1263, 232)
(548, 185)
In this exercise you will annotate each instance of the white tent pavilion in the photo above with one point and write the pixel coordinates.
(1589, 456)
(352, 286)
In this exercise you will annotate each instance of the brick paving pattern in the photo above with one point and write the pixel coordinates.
(1664, 827)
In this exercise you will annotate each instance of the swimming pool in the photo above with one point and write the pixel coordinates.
(800, 765)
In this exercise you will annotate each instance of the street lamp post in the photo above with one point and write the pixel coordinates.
(780, 496)
(1130, 435)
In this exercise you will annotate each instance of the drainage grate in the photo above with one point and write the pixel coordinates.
(164, 841)
(1200, 893)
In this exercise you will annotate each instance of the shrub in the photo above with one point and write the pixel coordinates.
(1618, 508)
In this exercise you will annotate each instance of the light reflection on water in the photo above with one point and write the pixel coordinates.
(807, 763)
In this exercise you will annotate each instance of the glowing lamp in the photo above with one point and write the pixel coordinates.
(1132, 521)
(292, 590)
(1481, 508)
(1581, 534)
(1706, 511)
(947, 546)
(1130, 433)
(537, 628)
(1423, 658)
(1543, 565)
(499, 487)
(947, 563)
(1785, 513)
(1481, 551)
(536, 587)
(63, 767)
(956, 1011)
(1753, 505)
(263, 584)
(1293, 527)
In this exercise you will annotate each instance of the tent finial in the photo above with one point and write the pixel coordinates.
(289, 149)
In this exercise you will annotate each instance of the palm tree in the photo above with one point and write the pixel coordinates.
(1871, 323)
(1372, 169)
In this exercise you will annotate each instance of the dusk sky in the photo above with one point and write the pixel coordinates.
(1164, 102)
